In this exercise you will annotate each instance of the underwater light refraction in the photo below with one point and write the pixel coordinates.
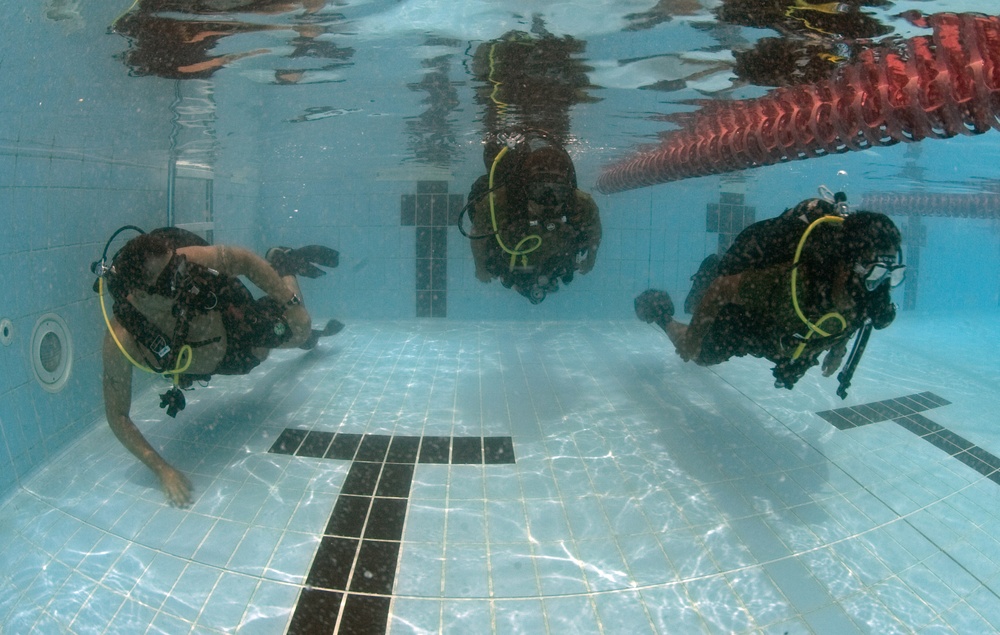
(935, 86)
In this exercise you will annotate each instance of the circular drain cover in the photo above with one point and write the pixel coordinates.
(51, 352)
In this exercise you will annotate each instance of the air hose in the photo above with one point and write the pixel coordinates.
(517, 250)
(833, 315)
(184, 357)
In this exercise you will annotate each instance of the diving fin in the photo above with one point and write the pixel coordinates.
(332, 328)
(318, 254)
(288, 263)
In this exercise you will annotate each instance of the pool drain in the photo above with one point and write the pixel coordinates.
(51, 352)
(6, 331)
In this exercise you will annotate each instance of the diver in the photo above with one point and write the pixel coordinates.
(816, 38)
(531, 227)
(180, 311)
(789, 289)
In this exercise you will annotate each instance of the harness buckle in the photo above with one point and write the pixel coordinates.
(160, 347)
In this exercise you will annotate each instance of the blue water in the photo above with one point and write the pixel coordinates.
(647, 495)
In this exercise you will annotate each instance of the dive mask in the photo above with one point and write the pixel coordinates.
(882, 269)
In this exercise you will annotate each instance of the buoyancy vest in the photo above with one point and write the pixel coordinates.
(196, 289)
(773, 241)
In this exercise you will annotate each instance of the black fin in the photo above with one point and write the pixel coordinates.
(318, 254)
(332, 328)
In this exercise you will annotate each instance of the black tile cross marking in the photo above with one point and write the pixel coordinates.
(905, 411)
(349, 585)
(432, 210)
(728, 218)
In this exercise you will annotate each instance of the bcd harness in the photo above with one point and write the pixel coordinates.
(846, 375)
(513, 149)
(813, 328)
(195, 289)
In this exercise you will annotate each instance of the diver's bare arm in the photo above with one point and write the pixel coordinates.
(833, 358)
(117, 404)
(722, 291)
(259, 271)
(237, 261)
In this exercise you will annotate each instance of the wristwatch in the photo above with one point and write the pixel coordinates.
(295, 301)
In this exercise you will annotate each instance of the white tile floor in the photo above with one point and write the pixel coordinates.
(649, 496)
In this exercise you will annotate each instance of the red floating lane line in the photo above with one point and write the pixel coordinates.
(935, 86)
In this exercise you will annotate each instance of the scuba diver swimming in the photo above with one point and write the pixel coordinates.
(789, 289)
(180, 311)
(531, 226)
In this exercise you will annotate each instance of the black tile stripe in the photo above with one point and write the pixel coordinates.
(373, 448)
(497, 450)
(322, 605)
(348, 517)
(728, 217)
(315, 444)
(395, 481)
(288, 441)
(432, 210)
(332, 566)
(362, 479)
(467, 451)
(403, 450)
(906, 412)
(908, 407)
(349, 585)
(435, 450)
(364, 613)
(344, 446)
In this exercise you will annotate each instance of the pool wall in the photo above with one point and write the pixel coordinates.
(85, 148)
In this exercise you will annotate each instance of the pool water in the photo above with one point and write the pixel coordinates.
(458, 459)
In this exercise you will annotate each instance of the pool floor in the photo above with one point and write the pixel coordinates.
(430, 476)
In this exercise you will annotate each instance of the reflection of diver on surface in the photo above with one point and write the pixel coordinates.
(208, 7)
(816, 37)
(309, 44)
(662, 11)
(789, 289)
(531, 226)
(319, 60)
(530, 82)
(178, 48)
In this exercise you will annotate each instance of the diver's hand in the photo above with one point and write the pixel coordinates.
(654, 307)
(832, 362)
(176, 486)
(689, 349)
(483, 276)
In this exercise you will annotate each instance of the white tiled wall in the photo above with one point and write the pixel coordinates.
(82, 152)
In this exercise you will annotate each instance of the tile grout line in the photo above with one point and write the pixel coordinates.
(292, 442)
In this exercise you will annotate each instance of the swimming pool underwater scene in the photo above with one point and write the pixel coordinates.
(421, 317)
